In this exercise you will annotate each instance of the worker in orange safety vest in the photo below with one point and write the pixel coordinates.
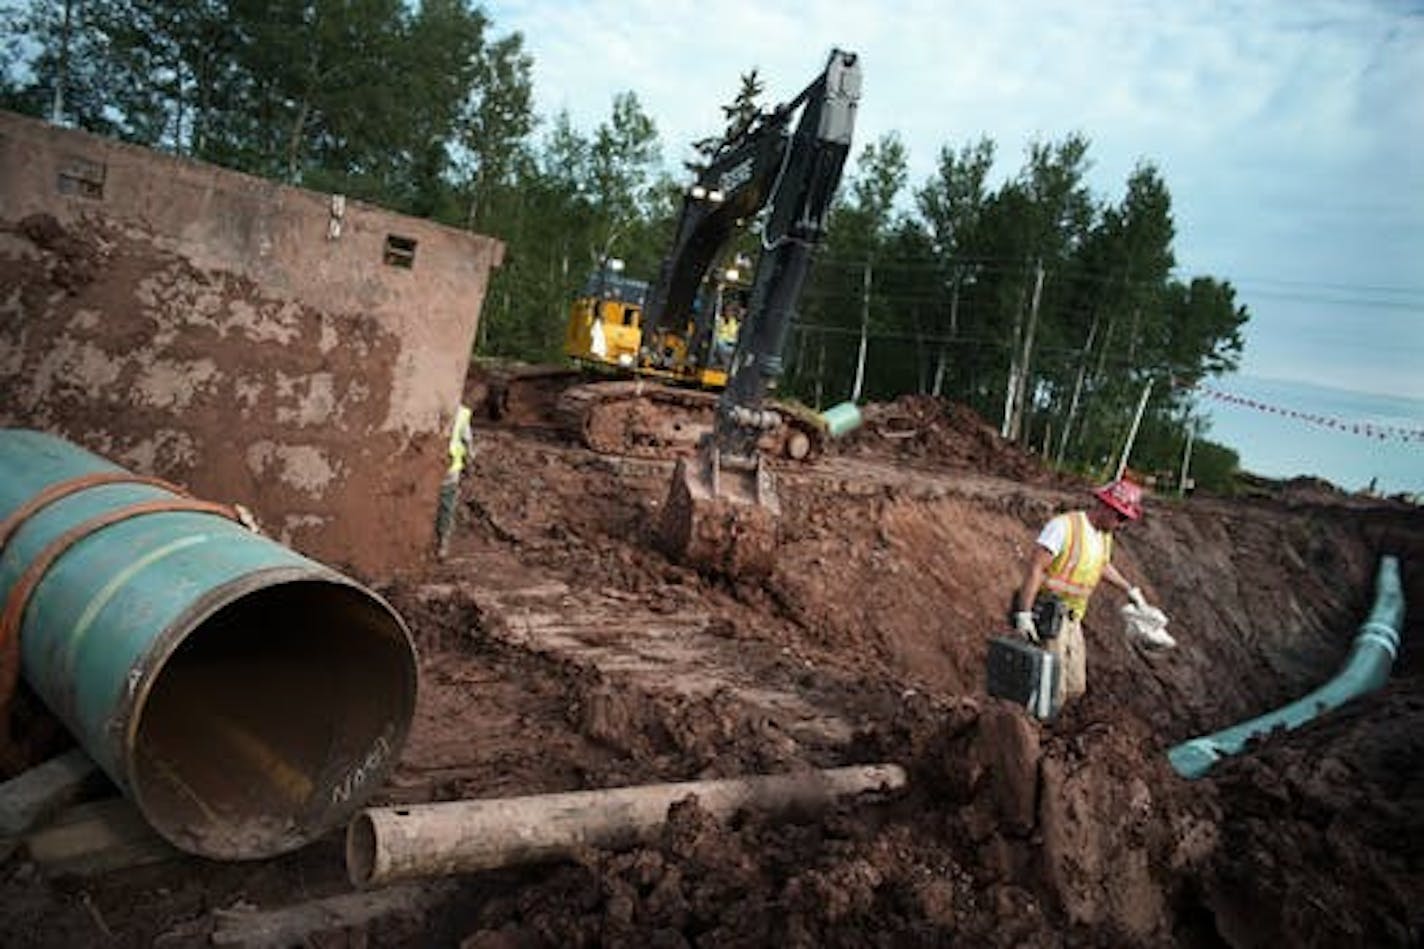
(1072, 554)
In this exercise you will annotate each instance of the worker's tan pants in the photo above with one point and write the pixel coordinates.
(1071, 651)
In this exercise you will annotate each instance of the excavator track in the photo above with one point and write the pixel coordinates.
(647, 419)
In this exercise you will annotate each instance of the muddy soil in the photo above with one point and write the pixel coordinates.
(561, 651)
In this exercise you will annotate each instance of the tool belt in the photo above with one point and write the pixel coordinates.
(1049, 615)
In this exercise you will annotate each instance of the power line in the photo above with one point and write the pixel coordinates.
(1063, 356)
(1348, 287)
(1340, 301)
(1016, 266)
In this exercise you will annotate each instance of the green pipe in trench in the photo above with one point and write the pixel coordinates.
(1366, 669)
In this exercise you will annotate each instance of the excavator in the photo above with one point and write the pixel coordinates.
(722, 510)
(678, 388)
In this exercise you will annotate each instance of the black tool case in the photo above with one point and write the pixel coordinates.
(1023, 673)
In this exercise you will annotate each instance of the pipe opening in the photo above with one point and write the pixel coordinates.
(361, 849)
(273, 719)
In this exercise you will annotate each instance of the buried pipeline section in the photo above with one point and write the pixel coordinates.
(246, 698)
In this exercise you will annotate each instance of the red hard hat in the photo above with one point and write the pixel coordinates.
(1122, 496)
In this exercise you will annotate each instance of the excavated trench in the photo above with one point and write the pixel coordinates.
(559, 651)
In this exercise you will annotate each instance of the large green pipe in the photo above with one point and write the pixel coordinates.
(246, 698)
(1366, 669)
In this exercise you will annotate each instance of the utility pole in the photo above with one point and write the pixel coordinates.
(820, 374)
(1020, 397)
(1077, 391)
(944, 347)
(1132, 435)
(56, 112)
(1013, 380)
(864, 334)
(1186, 458)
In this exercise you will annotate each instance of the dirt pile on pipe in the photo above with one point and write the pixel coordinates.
(1321, 834)
(928, 430)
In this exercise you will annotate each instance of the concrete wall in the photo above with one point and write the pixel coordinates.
(257, 343)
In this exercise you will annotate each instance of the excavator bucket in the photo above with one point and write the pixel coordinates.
(720, 519)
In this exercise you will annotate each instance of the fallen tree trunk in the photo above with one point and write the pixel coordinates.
(29, 799)
(296, 925)
(396, 843)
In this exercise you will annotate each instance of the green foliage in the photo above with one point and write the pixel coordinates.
(1030, 298)
(950, 297)
(1215, 468)
(578, 201)
(740, 115)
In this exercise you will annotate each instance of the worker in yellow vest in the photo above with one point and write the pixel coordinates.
(1072, 554)
(728, 325)
(462, 446)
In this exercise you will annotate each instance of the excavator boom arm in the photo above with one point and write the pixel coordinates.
(765, 164)
(800, 205)
(722, 512)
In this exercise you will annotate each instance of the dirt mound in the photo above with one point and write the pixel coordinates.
(1013, 833)
(928, 430)
(1012, 836)
(1321, 834)
(560, 651)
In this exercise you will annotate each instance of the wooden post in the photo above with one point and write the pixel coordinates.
(396, 843)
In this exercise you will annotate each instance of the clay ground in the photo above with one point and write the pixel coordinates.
(560, 652)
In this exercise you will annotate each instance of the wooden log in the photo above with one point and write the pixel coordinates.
(395, 843)
(98, 838)
(296, 925)
(29, 799)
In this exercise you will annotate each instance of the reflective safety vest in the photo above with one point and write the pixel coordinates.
(1074, 572)
(460, 437)
(727, 330)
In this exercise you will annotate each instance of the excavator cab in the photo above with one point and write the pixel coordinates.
(606, 319)
(606, 328)
(722, 513)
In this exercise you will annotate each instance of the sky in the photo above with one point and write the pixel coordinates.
(1289, 132)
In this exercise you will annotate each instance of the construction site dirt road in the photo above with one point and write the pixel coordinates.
(560, 652)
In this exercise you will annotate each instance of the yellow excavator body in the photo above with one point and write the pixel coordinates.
(605, 330)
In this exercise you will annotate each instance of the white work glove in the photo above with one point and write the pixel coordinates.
(1023, 623)
(1138, 600)
(1147, 626)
